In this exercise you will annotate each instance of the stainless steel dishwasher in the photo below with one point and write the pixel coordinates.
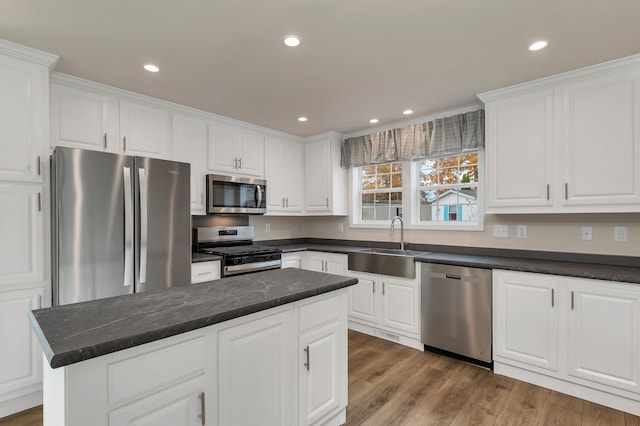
(456, 310)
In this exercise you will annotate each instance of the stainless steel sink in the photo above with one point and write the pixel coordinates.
(397, 263)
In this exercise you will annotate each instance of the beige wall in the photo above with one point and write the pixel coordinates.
(545, 232)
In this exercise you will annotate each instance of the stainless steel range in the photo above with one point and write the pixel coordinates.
(235, 245)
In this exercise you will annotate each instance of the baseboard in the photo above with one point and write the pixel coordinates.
(21, 403)
(589, 394)
(391, 336)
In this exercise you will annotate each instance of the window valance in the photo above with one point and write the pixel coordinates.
(435, 138)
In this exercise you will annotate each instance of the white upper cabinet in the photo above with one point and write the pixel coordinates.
(23, 119)
(519, 152)
(325, 182)
(83, 119)
(145, 130)
(235, 151)
(283, 172)
(566, 144)
(190, 146)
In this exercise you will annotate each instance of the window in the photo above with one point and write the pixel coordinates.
(380, 191)
(448, 189)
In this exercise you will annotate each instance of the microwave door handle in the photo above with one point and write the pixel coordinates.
(128, 226)
(142, 178)
(259, 201)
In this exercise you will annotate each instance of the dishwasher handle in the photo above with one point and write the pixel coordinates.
(455, 277)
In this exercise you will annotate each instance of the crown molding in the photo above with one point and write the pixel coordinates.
(25, 53)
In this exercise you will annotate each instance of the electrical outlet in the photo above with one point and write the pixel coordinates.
(340, 227)
(620, 234)
(267, 227)
(587, 233)
(501, 231)
(522, 231)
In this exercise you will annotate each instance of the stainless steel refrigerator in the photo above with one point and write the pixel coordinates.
(120, 224)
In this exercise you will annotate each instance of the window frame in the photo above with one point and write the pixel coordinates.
(411, 201)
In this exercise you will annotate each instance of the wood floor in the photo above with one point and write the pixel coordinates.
(390, 384)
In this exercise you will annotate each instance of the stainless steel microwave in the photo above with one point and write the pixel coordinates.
(236, 195)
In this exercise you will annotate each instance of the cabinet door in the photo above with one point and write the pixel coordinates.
(336, 264)
(190, 146)
(180, 404)
(275, 174)
(250, 149)
(314, 261)
(147, 130)
(86, 120)
(401, 304)
(317, 176)
(293, 157)
(23, 123)
(603, 336)
(519, 151)
(21, 227)
(255, 372)
(222, 149)
(319, 373)
(363, 301)
(525, 318)
(601, 137)
(291, 261)
(21, 355)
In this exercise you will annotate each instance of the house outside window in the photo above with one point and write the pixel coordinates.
(448, 189)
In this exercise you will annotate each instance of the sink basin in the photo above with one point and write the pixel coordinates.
(394, 262)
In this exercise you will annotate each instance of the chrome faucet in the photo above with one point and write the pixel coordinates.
(401, 230)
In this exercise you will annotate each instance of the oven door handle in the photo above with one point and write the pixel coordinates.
(251, 267)
(259, 200)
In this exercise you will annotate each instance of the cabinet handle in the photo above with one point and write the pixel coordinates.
(105, 141)
(552, 297)
(39, 201)
(547, 192)
(287, 201)
(383, 286)
(240, 163)
(283, 202)
(39, 301)
(39, 169)
(572, 301)
(202, 409)
(566, 191)
(308, 363)
(374, 286)
(124, 143)
(203, 273)
(327, 202)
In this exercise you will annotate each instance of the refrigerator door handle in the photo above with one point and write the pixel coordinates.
(142, 178)
(128, 226)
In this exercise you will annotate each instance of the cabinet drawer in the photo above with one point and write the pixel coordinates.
(322, 311)
(149, 372)
(205, 271)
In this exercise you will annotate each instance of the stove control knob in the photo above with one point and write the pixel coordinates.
(245, 259)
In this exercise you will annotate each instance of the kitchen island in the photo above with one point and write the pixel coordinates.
(265, 348)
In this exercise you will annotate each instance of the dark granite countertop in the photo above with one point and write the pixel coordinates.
(80, 331)
(566, 264)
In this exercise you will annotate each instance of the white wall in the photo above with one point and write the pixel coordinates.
(545, 232)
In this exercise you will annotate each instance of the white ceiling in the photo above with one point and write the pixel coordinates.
(359, 58)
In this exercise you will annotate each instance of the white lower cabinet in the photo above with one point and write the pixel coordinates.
(20, 357)
(292, 260)
(239, 372)
(255, 372)
(573, 335)
(386, 306)
(205, 271)
(330, 263)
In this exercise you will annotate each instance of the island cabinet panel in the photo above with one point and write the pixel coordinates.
(254, 381)
(239, 372)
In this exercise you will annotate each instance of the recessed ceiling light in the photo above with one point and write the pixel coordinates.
(151, 68)
(538, 45)
(374, 121)
(302, 119)
(292, 41)
(407, 112)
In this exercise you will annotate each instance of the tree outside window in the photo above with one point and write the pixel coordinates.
(381, 191)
